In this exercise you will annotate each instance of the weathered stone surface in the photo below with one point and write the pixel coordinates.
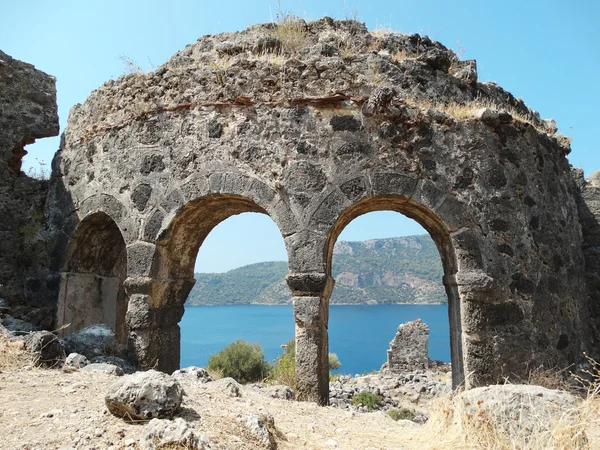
(228, 386)
(408, 350)
(46, 348)
(17, 327)
(261, 426)
(192, 374)
(27, 112)
(109, 369)
(76, 361)
(96, 340)
(125, 366)
(160, 433)
(522, 415)
(144, 396)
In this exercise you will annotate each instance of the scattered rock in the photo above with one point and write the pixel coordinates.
(144, 396)
(76, 361)
(277, 391)
(160, 433)
(109, 369)
(192, 374)
(46, 348)
(125, 366)
(228, 386)
(17, 327)
(261, 426)
(93, 341)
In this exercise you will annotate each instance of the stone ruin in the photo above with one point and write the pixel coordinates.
(313, 132)
(408, 350)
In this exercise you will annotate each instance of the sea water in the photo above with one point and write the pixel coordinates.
(358, 334)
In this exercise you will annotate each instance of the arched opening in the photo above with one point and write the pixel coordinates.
(440, 236)
(387, 271)
(179, 246)
(240, 291)
(91, 289)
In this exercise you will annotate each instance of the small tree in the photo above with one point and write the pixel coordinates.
(240, 360)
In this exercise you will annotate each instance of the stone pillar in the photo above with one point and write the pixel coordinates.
(311, 314)
(153, 315)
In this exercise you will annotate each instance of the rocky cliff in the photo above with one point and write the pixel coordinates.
(395, 270)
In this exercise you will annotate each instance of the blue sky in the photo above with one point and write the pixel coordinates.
(546, 52)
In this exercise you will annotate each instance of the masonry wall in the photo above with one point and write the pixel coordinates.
(27, 112)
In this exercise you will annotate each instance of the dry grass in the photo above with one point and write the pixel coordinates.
(290, 31)
(13, 355)
(467, 426)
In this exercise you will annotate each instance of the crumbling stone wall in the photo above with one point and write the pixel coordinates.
(27, 112)
(409, 349)
(589, 213)
(315, 135)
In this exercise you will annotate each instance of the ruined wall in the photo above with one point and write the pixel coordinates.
(589, 213)
(409, 349)
(27, 112)
(314, 133)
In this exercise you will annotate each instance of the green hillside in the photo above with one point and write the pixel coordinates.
(395, 270)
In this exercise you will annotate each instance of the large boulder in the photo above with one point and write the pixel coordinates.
(46, 349)
(160, 433)
(522, 415)
(93, 341)
(144, 396)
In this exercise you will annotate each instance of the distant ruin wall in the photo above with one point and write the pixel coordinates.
(408, 350)
(27, 112)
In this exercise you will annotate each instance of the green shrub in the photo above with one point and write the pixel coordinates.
(284, 370)
(241, 361)
(334, 362)
(368, 399)
(401, 414)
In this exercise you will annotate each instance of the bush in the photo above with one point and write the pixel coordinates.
(284, 370)
(334, 362)
(368, 399)
(401, 414)
(241, 361)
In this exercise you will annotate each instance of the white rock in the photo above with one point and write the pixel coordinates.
(144, 396)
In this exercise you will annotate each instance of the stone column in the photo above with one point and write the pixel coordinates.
(153, 314)
(311, 314)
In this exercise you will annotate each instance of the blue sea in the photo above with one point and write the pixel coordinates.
(360, 335)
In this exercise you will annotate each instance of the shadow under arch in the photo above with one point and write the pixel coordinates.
(92, 277)
(440, 234)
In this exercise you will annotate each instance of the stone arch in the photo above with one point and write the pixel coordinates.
(310, 252)
(161, 270)
(440, 234)
(92, 276)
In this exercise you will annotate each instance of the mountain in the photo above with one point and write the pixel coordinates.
(395, 270)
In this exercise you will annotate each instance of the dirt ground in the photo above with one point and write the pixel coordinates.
(51, 409)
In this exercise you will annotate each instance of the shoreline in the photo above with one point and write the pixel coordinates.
(331, 304)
